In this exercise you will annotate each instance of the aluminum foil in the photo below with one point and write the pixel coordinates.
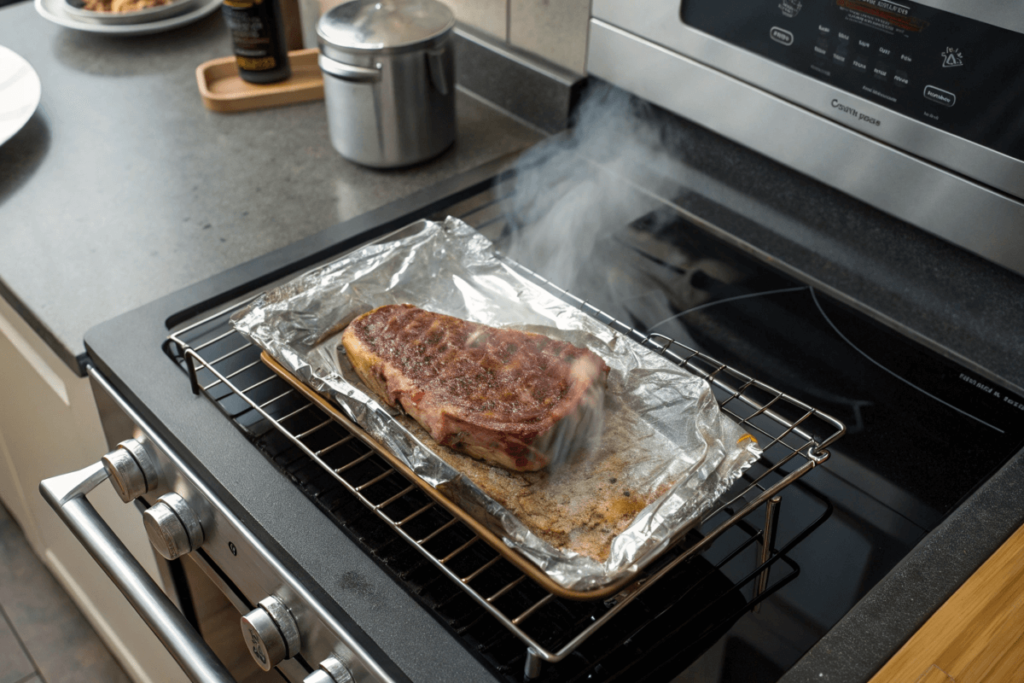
(663, 429)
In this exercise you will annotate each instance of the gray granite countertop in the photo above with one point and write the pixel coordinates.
(123, 187)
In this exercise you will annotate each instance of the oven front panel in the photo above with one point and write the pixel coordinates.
(948, 72)
(241, 567)
(928, 177)
(964, 118)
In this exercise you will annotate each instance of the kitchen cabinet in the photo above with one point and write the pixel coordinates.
(49, 425)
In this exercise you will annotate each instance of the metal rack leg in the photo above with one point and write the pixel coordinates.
(193, 376)
(533, 663)
(771, 523)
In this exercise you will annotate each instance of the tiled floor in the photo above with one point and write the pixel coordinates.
(43, 636)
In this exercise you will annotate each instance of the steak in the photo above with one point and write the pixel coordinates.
(513, 399)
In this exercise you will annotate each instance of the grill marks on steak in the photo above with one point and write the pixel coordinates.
(498, 395)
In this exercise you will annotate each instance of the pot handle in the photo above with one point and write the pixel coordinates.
(348, 72)
(435, 65)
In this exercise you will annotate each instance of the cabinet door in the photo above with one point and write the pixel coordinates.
(49, 425)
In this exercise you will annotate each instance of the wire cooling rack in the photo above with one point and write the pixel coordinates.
(794, 435)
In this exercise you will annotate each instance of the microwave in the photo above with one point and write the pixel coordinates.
(914, 107)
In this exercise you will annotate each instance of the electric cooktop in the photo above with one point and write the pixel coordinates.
(922, 431)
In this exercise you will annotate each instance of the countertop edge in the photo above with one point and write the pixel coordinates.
(45, 333)
(882, 622)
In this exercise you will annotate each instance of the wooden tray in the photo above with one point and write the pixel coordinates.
(492, 539)
(223, 90)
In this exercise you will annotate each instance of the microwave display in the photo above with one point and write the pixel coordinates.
(956, 74)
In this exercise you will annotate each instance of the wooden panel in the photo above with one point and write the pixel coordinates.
(223, 90)
(978, 635)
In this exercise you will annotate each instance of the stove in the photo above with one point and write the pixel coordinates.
(381, 585)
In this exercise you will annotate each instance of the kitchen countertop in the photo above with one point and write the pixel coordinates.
(123, 187)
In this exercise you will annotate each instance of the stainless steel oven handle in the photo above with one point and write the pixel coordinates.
(66, 495)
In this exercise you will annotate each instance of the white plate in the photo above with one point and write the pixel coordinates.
(142, 16)
(19, 93)
(53, 10)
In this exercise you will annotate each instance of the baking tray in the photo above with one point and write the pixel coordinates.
(223, 90)
(520, 562)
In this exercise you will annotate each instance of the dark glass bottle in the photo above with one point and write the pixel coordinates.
(257, 32)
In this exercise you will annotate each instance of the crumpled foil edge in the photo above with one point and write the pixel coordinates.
(299, 324)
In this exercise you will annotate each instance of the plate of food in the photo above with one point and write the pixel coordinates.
(574, 451)
(124, 17)
(116, 12)
(20, 91)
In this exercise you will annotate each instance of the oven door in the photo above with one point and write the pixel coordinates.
(242, 613)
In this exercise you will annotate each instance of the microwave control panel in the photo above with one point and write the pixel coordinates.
(956, 74)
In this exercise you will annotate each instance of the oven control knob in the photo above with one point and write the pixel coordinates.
(173, 528)
(132, 469)
(271, 633)
(331, 670)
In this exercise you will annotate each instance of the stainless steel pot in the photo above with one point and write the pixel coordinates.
(389, 80)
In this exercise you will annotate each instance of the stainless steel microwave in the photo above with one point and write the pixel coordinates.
(915, 107)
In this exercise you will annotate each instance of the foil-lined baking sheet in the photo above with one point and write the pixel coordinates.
(664, 440)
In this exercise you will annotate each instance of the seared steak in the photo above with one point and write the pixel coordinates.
(503, 396)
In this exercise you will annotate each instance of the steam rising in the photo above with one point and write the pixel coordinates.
(570, 194)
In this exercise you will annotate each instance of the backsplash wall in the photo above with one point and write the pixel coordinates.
(553, 29)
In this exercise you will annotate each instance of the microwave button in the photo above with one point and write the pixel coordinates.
(881, 72)
(939, 96)
(781, 35)
(900, 79)
(860, 63)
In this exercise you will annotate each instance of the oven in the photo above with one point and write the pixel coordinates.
(334, 567)
(913, 107)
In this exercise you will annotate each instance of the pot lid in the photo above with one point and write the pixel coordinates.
(383, 25)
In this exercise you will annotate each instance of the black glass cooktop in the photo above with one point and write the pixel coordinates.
(923, 431)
